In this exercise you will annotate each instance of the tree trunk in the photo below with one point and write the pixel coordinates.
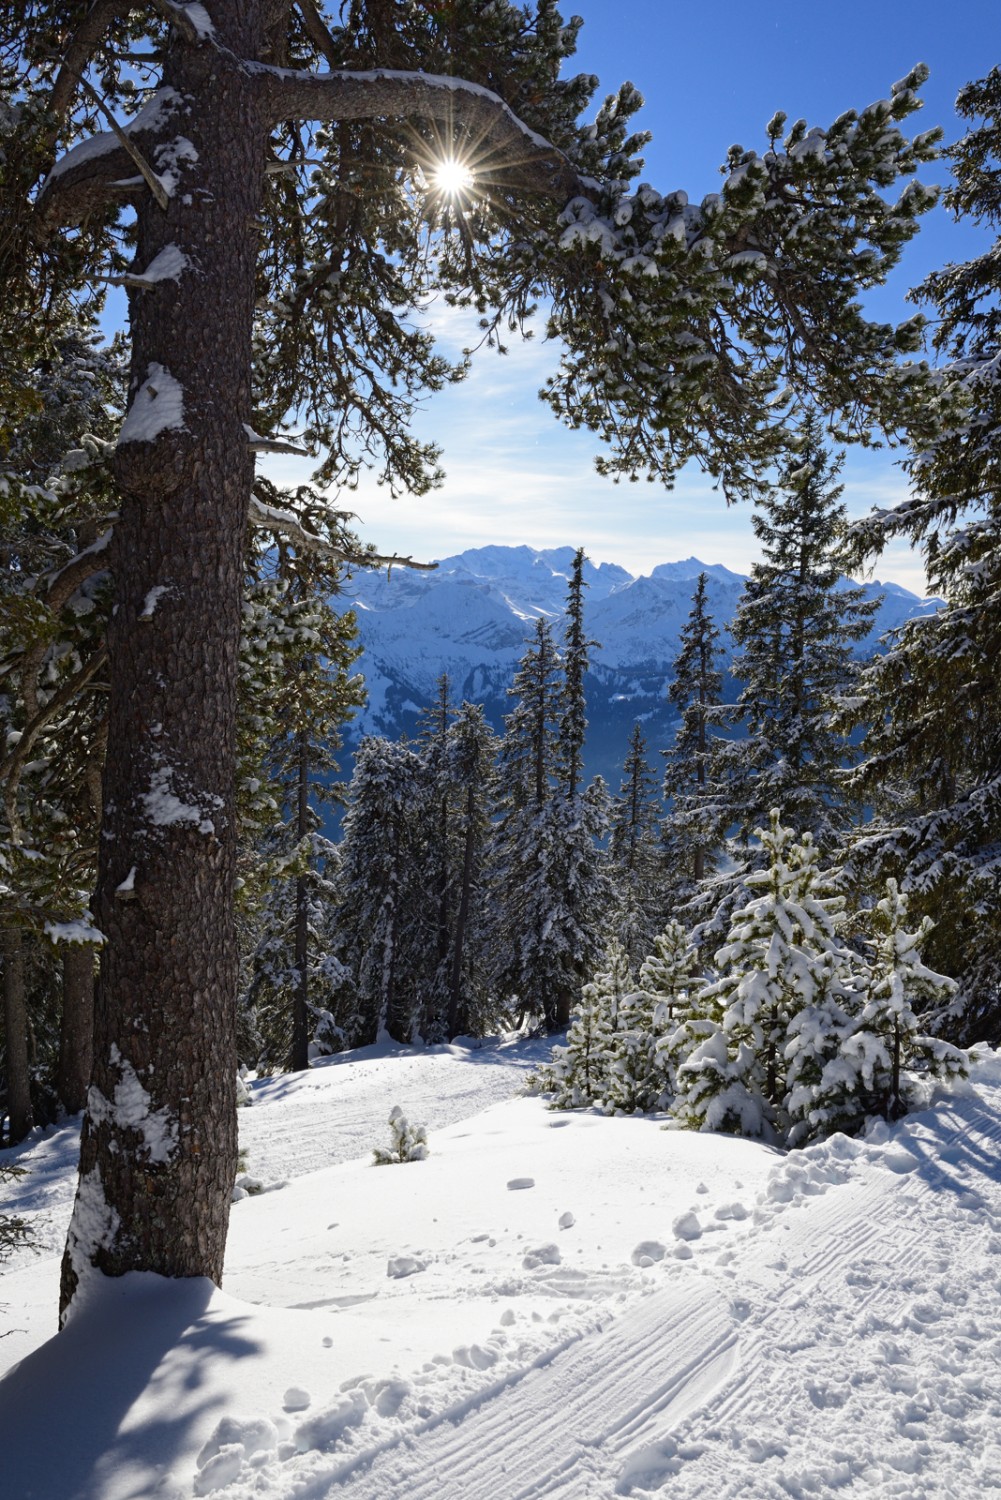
(19, 1111)
(76, 1030)
(455, 985)
(154, 1192)
(299, 1057)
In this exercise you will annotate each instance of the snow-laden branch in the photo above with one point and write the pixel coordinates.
(285, 523)
(518, 155)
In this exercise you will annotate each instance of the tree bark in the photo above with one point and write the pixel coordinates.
(299, 1057)
(19, 1112)
(154, 1195)
(76, 1030)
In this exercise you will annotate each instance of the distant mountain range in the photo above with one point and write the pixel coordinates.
(473, 615)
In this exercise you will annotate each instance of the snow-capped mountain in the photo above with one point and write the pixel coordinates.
(473, 615)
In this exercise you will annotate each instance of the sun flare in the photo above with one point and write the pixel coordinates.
(452, 178)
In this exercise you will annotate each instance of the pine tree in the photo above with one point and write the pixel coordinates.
(578, 1074)
(328, 268)
(700, 810)
(796, 625)
(931, 705)
(636, 864)
(576, 660)
(386, 916)
(781, 962)
(887, 1042)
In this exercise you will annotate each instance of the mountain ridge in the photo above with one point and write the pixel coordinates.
(473, 616)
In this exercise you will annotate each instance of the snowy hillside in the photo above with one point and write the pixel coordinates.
(472, 616)
(559, 1305)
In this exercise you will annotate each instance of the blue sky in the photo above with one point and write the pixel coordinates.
(712, 74)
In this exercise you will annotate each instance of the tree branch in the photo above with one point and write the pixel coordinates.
(316, 31)
(77, 55)
(518, 156)
(285, 523)
(12, 767)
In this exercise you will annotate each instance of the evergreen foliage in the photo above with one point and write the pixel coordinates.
(408, 1142)
(796, 624)
(700, 807)
(931, 705)
(635, 854)
(781, 961)
(888, 1044)
(578, 1074)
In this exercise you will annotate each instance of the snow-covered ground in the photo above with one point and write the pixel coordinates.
(555, 1305)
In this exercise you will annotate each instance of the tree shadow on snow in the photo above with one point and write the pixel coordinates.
(126, 1391)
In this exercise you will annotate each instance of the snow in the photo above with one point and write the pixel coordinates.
(167, 266)
(833, 1327)
(79, 930)
(130, 1110)
(164, 808)
(158, 406)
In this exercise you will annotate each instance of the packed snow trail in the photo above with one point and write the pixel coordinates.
(844, 1340)
(551, 1307)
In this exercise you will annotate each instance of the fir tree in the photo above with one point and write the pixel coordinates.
(887, 1043)
(578, 1074)
(385, 916)
(636, 863)
(576, 646)
(781, 960)
(695, 829)
(549, 886)
(931, 705)
(796, 626)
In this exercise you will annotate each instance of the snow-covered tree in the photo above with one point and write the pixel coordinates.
(888, 1044)
(576, 660)
(636, 862)
(578, 1074)
(694, 782)
(796, 624)
(407, 1142)
(262, 284)
(385, 915)
(931, 705)
(781, 962)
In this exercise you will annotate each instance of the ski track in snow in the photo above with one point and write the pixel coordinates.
(842, 1336)
(835, 1344)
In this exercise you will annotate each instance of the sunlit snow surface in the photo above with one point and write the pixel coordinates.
(551, 1305)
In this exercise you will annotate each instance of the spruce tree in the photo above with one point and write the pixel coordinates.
(576, 660)
(931, 706)
(386, 915)
(636, 863)
(796, 624)
(578, 1074)
(695, 829)
(781, 960)
(888, 1044)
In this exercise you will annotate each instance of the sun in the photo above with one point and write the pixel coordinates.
(452, 178)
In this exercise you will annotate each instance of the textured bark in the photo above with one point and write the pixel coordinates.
(19, 1112)
(76, 1030)
(155, 1196)
(299, 1056)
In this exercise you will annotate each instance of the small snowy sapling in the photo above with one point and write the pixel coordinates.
(409, 1142)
